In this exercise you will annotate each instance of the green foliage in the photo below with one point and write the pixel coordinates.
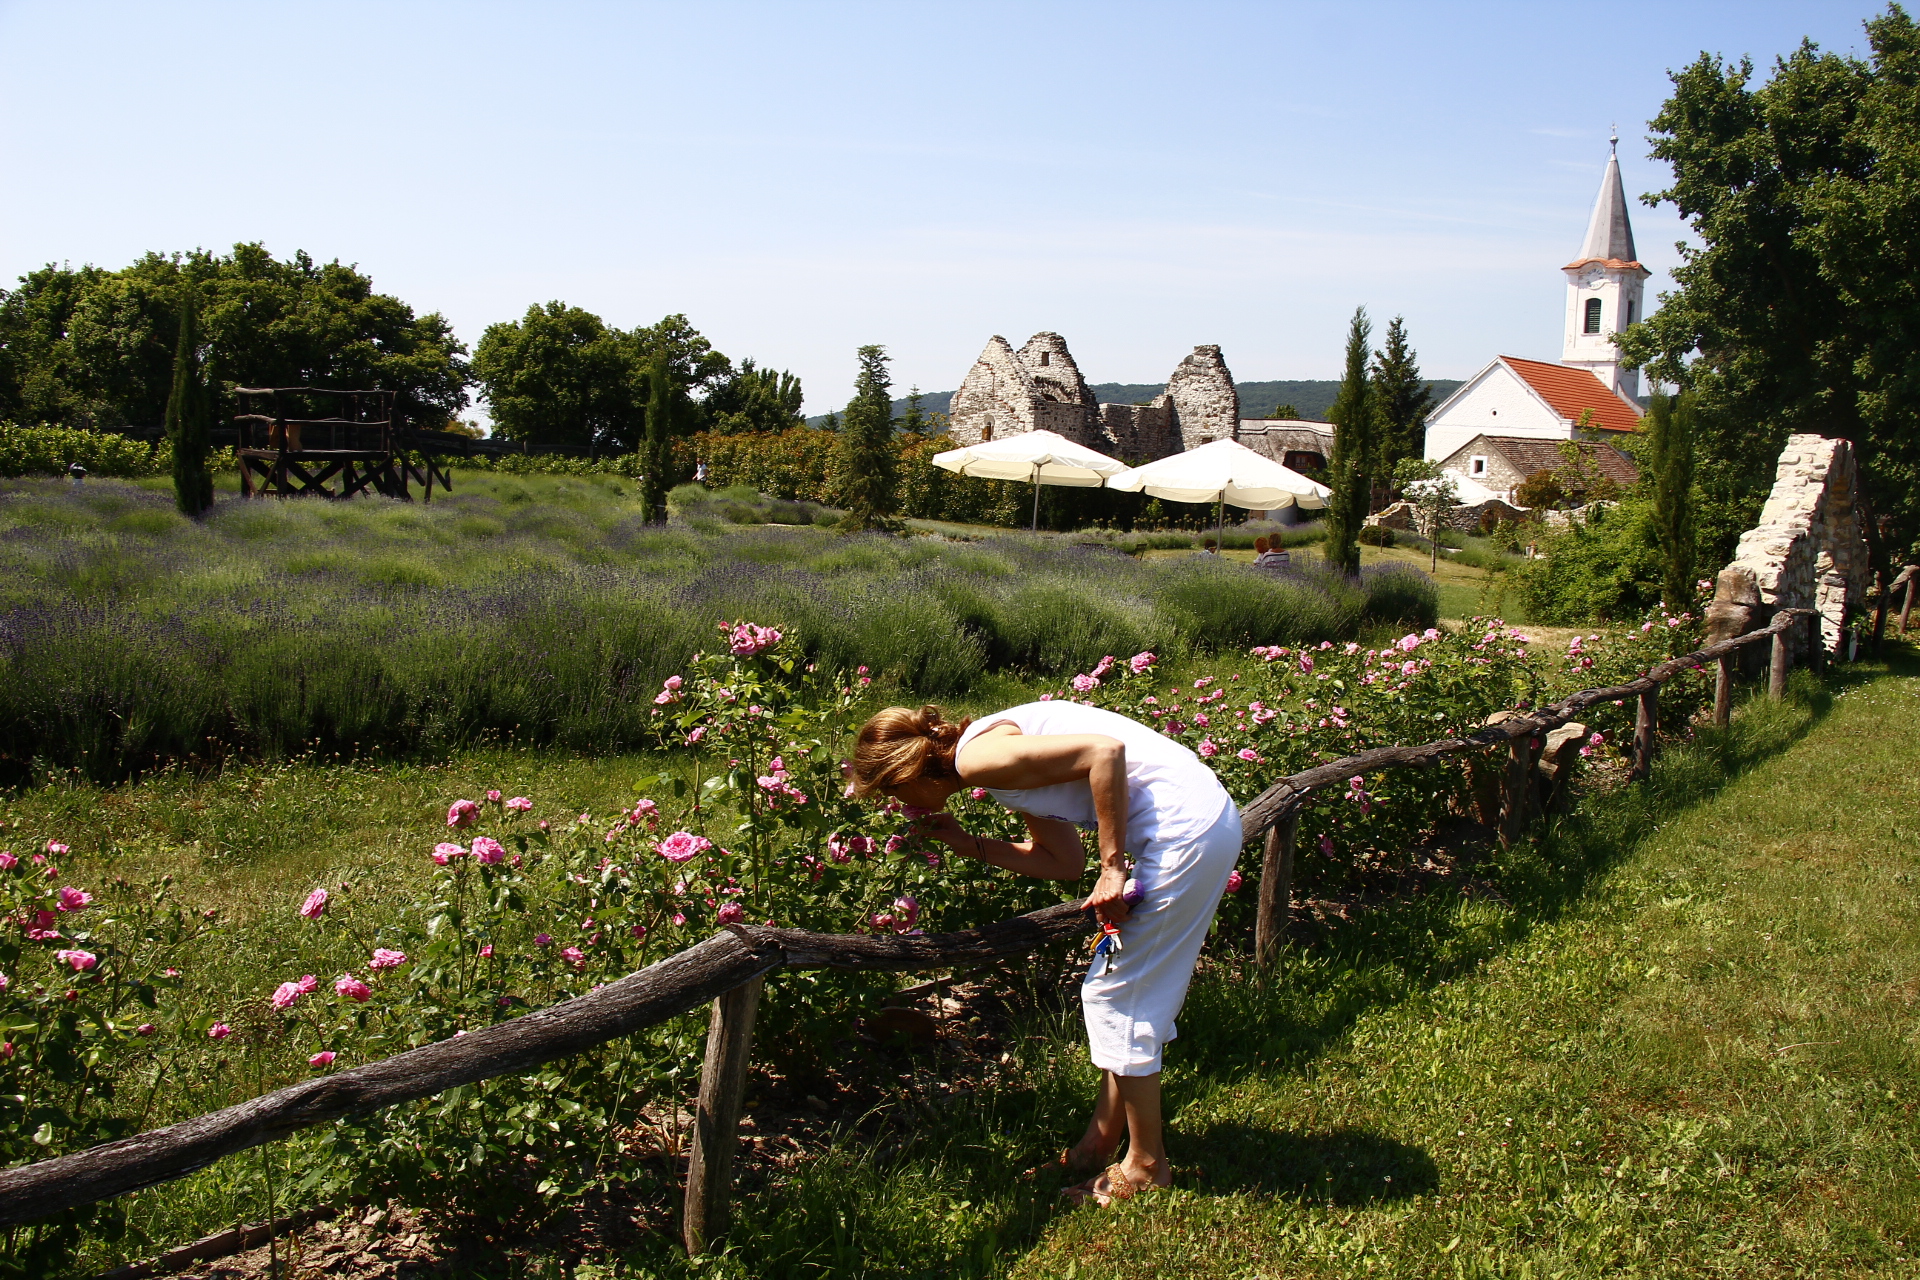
(1353, 449)
(188, 409)
(1669, 430)
(754, 399)
(43, 450)
(1606, 565)
(1401, 400)
(1794, 312)
(869, 461)
(656, 457)
(1285, 411)
(560, 378)
(87, 346)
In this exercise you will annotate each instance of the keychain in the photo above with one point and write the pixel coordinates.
(1107, 944)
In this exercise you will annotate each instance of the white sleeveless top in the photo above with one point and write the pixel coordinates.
(1172, 797)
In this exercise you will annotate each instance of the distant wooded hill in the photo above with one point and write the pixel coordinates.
(1257, 399)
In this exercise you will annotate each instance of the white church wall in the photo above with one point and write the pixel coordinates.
(1496, 404)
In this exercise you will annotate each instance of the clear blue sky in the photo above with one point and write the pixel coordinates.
(802, 178)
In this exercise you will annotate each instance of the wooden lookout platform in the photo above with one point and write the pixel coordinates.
(334, 444)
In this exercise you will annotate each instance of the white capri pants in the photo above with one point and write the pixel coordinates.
(1130, 1004)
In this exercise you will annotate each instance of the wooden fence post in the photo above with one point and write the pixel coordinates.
(1723, 692)
(716, 1129)
(1276, 888)
(1518, 789)
(1777, 669)
(1913, 580)
(1646, 725)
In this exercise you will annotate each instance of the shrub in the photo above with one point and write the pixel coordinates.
(1376, 535)
(42, 450)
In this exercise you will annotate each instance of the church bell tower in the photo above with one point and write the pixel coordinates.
(1605, 287)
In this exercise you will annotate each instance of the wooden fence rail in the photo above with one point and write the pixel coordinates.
(729, 962)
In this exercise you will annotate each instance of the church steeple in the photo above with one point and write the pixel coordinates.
(1605, 284)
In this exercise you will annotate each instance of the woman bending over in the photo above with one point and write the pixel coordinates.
(1064, 766)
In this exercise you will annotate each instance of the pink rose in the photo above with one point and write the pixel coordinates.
(72, 899)
(80, 960)
(463, 813)
(7, 861)
(1085, 684)
(1208, 749)
(219, 1031)
(1141, 662)
(1326, 844)
(574, 957)
(519, 804)
(315, 906)
(286, 995)
(542, 939)
(673, 683)
(145, 1029)
(895, 844)
(488, 851)
(731, 913)
(322, 1059)
(351, 987)
(385, 959)
(446, 851)
(699, 732)
(907, 908)
(1235, 881)
(1250, 755)
(683, 846)
(744, 639)
(493, 797)
(678, 918)
(639, 931)
(486, 951)
(978, 793)
(55, 848)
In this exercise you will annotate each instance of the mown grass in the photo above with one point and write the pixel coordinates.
(543, 610)
(1672, 1036)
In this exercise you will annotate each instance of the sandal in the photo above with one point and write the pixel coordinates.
(1117, 1186)
(1064, 1163)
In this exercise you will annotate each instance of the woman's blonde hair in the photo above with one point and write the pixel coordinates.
(900, 744)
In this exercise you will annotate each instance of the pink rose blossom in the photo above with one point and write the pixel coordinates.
(1085, 684)
(638, 931)
(351, 987)
(699, 732)
(315, 906)
(908, 909)
(219, 1031)
(519, 804)
(673, 684)
(731, 913)
(288, 994)
(683, 846)
(978, 793)
(385, 959)
(895, 844)
(1235, 881)
(55, 848)
(1326, 844)
(542, 939)
(488, 851)
(1250, 755)
(486, 951)
(744, 640)
(80, 960)
(446, 851)
(72, 899)
(322, 1059)
(1208, 749)
(7, 861)
(575, 957)
(145, 1029)
(678, 918)
(662, 698)
(493, 797)
(1140, 662)
(463, 813)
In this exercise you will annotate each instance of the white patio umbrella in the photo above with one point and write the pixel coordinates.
(1224, 472)
(1037, 457)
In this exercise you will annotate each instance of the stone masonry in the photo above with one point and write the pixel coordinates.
(1807, 552)
(1039, 388)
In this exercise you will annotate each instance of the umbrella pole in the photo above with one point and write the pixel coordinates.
(1036, 502)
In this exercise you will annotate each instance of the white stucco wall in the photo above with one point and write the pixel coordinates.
(1615, 288)
(1496, 403)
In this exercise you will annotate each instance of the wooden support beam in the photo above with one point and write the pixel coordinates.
(1782, 658)
(1517, 790)
(716, 1129)
(1646, 729)
(1276, 888)
(1723, 693)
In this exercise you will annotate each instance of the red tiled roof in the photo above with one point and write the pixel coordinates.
(1571, 392)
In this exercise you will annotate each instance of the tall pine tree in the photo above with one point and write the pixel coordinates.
(1353, 452)
(656, 448)
(1670, 432)
(188, 419)
(869, 465)
(1401, 402)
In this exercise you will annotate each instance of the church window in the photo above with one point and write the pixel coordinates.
(1046, 358)
(1629, 312)
(1593, 315)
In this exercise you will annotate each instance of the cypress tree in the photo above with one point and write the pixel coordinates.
(868, 461)
(656, 449)
(189, 408)
(914, 421)
(1353, 449)
(1670, 432)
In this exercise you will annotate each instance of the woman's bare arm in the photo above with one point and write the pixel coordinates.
(1054, 852)
(1002, 756)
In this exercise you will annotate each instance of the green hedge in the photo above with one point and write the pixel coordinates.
(28, 451)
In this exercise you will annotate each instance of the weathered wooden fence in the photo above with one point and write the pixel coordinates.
(728, 968)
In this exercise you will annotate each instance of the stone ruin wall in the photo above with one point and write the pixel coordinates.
(1206, 404)
(1808, 551)
(1015, 393)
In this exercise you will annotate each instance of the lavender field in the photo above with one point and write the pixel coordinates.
(540, 610)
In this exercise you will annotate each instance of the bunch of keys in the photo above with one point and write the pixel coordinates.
(1108, 943)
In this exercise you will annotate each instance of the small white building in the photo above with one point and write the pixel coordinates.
(1587, 395)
